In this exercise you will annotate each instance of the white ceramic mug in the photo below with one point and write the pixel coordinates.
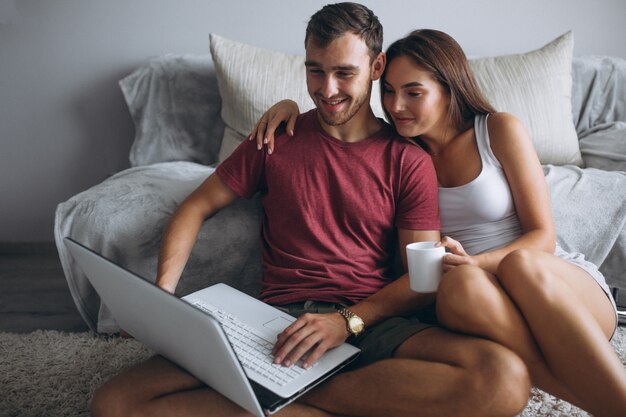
(425, 265)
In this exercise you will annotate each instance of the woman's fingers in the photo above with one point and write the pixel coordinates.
(260, 131)
(291, 124)
(273, 124)
(454, 246)
(265, 129)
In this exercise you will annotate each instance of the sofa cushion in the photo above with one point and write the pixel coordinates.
(252, 79)
(175, 105)
(537, 88)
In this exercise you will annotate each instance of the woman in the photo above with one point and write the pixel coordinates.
(506, 279)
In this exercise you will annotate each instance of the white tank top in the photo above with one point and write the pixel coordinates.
(480, 214)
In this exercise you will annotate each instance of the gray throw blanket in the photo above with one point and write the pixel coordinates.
(599, 107)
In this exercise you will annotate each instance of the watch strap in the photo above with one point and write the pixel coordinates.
(347, 315)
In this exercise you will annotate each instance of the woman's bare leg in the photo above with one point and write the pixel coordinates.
(472, 301)
(553, 315)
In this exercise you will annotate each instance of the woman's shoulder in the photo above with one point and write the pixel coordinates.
(507, 133)
(503, 126)
(503, 121)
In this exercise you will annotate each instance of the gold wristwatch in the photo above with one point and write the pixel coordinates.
(354, 323)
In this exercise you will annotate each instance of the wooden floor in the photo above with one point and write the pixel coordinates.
(33, 291)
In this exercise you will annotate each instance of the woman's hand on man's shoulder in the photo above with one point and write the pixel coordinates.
(285, 111)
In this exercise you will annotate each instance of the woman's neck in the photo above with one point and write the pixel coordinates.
(439, 140)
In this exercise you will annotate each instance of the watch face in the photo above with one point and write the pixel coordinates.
(356, 324)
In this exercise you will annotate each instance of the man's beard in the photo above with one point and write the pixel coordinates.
(340, 118)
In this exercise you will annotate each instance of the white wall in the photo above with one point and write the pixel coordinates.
(63, 123)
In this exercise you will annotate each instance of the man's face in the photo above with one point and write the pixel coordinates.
(339, 78)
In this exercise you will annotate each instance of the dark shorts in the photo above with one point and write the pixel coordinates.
(376, 342)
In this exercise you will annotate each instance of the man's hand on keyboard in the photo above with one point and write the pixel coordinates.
(313, 333)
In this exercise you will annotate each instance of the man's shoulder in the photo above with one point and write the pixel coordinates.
(305, 124)
(308, 120)
(406, 146)
(408, 156)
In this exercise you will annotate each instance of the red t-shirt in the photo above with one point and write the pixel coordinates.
(332, 209)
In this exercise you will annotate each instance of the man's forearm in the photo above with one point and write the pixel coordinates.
(396, 299)
(182, 231)
(178, 241)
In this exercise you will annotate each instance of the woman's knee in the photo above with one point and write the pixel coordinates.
(523, 273)
(519, 261)
(460, 293)
(461, 285)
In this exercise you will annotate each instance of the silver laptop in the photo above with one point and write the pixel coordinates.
(213, 333)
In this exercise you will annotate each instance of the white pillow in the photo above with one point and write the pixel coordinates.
(537, 88)
(251, 79)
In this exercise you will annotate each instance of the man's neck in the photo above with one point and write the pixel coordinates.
(363, 125)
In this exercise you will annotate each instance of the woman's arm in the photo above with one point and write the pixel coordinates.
(513, 147)
(283, 111)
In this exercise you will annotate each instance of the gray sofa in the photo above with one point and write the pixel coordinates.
(176, 105)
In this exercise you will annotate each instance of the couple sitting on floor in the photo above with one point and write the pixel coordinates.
(340, 188)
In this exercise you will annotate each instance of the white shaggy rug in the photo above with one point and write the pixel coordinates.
(49, 373)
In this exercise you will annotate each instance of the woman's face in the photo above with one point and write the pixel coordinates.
(416, 102)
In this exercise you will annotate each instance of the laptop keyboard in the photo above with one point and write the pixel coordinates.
(254, 352)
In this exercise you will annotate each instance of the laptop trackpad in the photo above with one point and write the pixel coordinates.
(278, 324)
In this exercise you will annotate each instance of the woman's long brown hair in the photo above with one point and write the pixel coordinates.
(439, 54)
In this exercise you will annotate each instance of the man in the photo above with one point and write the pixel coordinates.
(337, 197)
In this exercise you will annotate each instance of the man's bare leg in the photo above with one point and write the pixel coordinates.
(157, 387)
(436, 372)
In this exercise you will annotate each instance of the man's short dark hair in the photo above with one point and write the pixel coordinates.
(335, 20)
